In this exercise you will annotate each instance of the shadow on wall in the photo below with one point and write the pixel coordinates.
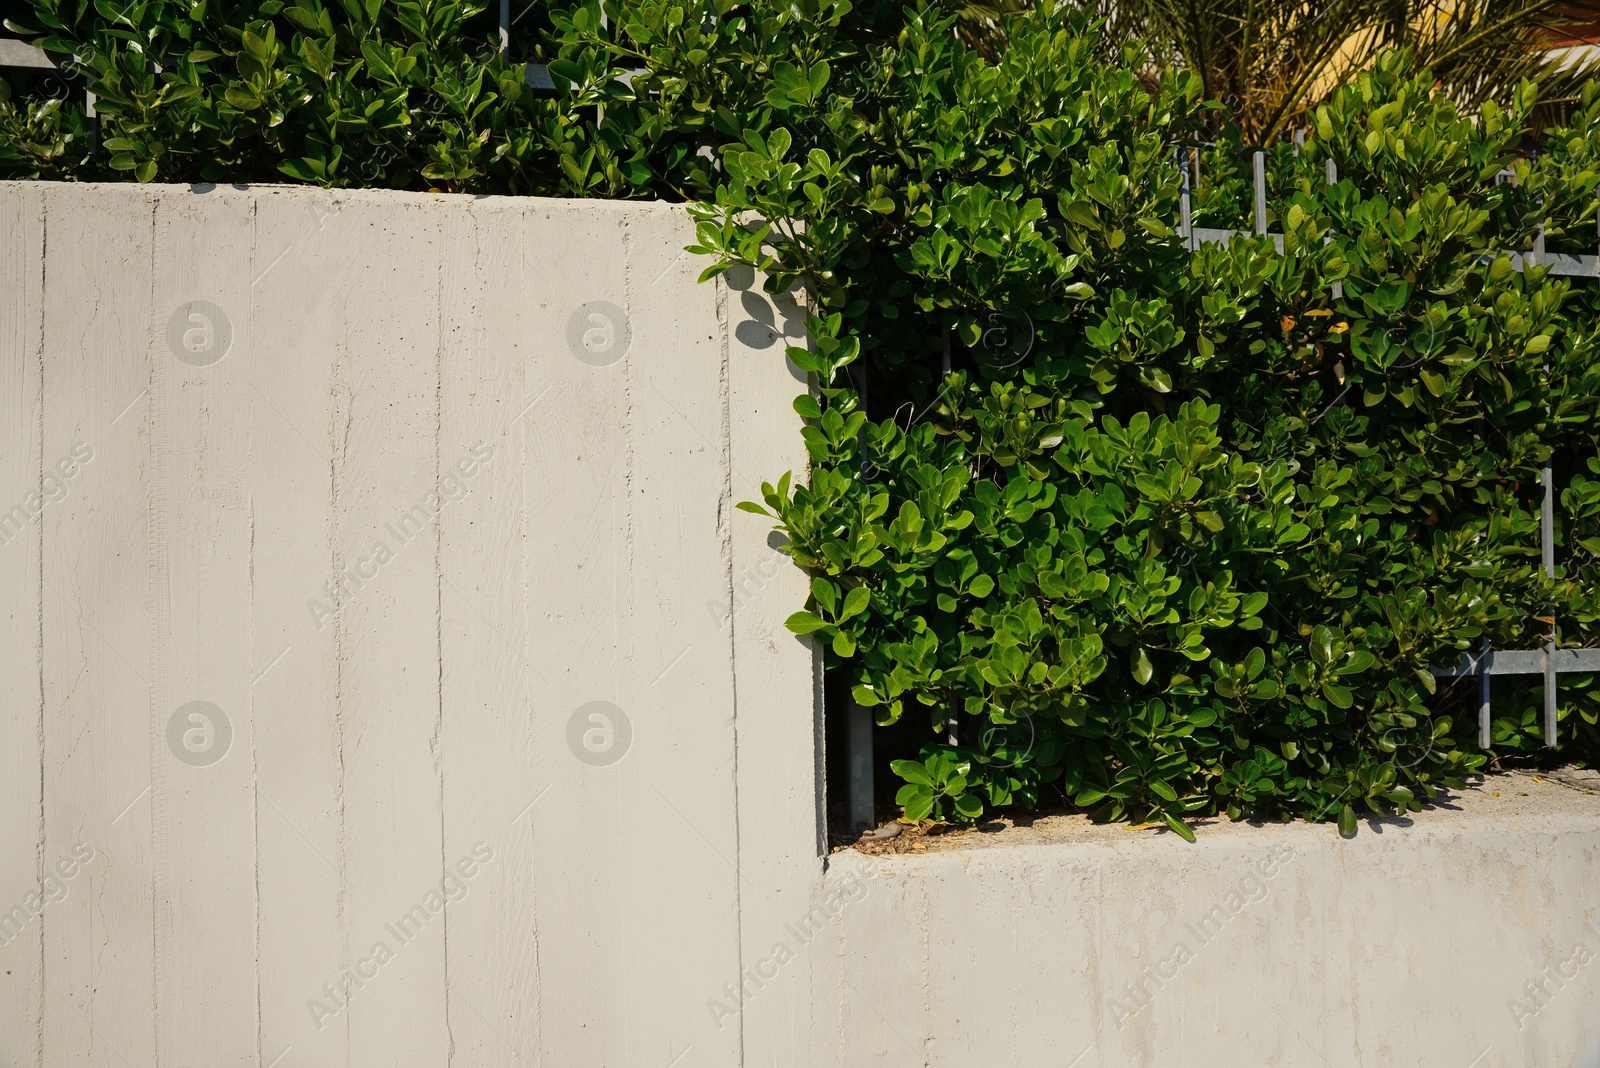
(761, 327)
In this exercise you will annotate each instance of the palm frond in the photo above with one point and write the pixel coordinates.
(1273, 61)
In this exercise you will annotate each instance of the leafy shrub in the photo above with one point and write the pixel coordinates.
(411, 94)
(1169, 533)
(1177, 533)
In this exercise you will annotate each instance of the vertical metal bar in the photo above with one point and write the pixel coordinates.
(1547, 551)
(505, 26)
(859, 728)
(93, 118)
(1551, 727)
(1597, 234)
(1485, 651)
(950, 713)
(1485, 655)
(1547, 522)
(600, 109)
(1185, 209)
(1330, 172)
(862, 816)
(1259, 159)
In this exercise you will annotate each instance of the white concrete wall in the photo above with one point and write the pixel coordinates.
(1463, 937)
(410, 790)
(567, 418)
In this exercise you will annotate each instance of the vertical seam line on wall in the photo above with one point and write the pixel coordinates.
(44, 258)
(152, 544)
(530, 738)
(438, 595)
(1099, 904)
(628, 429)
(929, 1022)
(819, 692)
(844, 982)
(625, 620)
(338, 444)
(725, 523)
(250, 691)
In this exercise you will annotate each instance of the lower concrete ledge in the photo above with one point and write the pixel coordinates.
(1467, 936)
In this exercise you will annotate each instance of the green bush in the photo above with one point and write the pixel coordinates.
(1164, 533)
(1178, 534)
(410, 95)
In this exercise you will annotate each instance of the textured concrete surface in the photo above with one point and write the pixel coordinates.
(1467, 935)
(389, 680)
(378, 630)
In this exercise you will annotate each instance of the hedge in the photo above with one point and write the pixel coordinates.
(1164, 534)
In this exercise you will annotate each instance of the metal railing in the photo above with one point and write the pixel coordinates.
(1549, 660)
(1557, 263)
(21, 54)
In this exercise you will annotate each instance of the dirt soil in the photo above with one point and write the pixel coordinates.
(1513, 793)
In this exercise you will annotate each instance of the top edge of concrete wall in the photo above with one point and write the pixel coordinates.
(1499, 806)
(401, 196)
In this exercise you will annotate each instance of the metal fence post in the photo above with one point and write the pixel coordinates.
(862, 816)
(950, 713)
(1330, 174)
(1259, 160)
(859, 733)
(1484, 721)
(1547, 550)
(1185, 210)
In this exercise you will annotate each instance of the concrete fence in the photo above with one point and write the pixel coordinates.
(370, 649)
(389, 680)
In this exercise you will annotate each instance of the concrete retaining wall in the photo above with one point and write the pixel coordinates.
(1465, 936)
(428, 502)
(388, 679)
